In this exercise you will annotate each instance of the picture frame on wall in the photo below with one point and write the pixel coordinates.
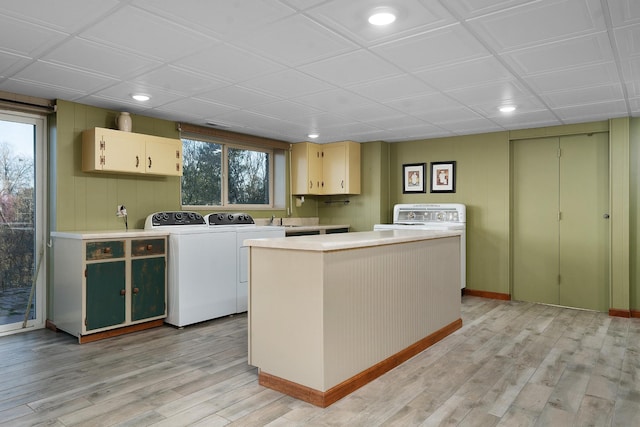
(443, 177)
(414, 178)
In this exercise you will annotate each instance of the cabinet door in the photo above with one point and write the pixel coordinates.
(163, 156)
(105, 294)
(341, 168)
(148, 277)
(306, 168)
(113, 151)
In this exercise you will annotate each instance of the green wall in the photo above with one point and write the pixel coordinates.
(482, 184)
(84, 201)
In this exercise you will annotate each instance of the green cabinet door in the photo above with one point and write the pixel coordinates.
(147, 288)
(105, 294)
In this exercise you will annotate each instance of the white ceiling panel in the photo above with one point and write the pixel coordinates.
(392, 88)
(354, 67)
(231, 17)
(466, 74)
(75, 14)
(539, 22)
(297, 41)
(238, 97)
(350, 18)
(287, 84)
(595, 75)
(229, 63)
(624, 12)
(576, 52)
(98, 58)
(283, 68)
(432, 49)
(145, 34)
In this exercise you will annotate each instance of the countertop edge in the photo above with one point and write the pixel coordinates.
(108, 234)
(342, 241)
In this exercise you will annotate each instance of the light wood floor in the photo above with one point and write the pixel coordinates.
(512, 364)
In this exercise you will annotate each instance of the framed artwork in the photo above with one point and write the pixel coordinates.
(443, 177)
(413, 178)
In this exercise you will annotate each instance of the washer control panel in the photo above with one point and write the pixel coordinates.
(226, 218)
(177, 218)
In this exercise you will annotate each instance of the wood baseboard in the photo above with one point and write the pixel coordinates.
(50, 325)
(615, 312)
(635, 313)
(486, 294)
(326, 398)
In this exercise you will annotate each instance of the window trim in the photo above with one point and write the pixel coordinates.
(224, 196)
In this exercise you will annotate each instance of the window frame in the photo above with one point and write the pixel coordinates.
(224, 196)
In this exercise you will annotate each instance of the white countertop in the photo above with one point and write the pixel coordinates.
(108, 234)
(342, 241)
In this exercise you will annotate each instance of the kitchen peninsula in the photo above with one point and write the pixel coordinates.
(330, 313)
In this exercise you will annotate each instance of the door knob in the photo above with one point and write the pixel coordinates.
(605, 216)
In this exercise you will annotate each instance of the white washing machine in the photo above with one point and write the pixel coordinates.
(201, 267)
(443, 216)
(245, 228)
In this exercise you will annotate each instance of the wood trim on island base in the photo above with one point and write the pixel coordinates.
(616, 312)
(83, 339)
(324, 399)
(486, 294)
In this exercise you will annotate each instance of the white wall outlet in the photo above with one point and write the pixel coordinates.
(121, 211)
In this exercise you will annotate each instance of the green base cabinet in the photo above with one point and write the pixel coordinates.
(107, 281)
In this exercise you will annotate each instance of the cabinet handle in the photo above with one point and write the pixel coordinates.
(310, 184)
(342, 184)
(149, 247)
(107, 250)
(149, 162)
(123, 292)
(137, 161)
(136, 290)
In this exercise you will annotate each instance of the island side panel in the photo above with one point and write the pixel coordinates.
(380, 300)
(285, 314)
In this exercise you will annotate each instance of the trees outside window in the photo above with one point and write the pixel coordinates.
(216, 174)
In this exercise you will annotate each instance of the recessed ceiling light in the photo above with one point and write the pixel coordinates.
(313, 135)
(382, 16)
(507, 108)
(140, 97)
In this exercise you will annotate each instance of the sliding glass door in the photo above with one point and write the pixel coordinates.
(22, 243)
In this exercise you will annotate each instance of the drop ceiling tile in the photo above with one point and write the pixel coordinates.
(471, 8)
(496, 93)
(147, 35)
(288, 83)
(538, 22)
(455, 115)
(222, 19)
(98, 58)
(635, 106)
(373, 112)
(592, 112)
(524, 105)
(432, 49)
(576, 52)
(178, 80)
(519, 119)
(465, 74)
(627, 41)
(347, 69)
(123, 91)
(235, 96)
(197, 108)
(472, 126)
(633, 88)
(238, 65)
(10, 63)
(624, 12)
(64, 77)
(302, 4)
(39, 90)
(422, 104)
(392, 88)
(21, 38)
(594, 75)
(69, 18)
(587, 95)
(297, 40)
(350, 18)
(336, 100)
(291, 110)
